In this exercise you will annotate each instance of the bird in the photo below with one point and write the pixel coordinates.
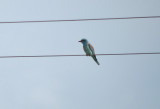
(89, 50)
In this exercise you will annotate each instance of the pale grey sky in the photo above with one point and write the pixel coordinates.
(120, 82)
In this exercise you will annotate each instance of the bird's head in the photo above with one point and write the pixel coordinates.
(83, 41)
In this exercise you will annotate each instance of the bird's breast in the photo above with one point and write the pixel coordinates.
(87, 50)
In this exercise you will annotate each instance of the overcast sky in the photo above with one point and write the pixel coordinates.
(120, 82)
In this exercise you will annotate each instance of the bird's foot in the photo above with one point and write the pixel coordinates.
(88, 55)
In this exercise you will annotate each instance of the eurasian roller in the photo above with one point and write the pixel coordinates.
(89, 50)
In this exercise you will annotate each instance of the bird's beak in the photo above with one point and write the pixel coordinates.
(80, 41)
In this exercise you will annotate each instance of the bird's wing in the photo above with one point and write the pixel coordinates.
(91, 48)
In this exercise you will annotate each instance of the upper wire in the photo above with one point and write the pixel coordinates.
(77, 20)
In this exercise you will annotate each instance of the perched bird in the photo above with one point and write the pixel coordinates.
(89, 50)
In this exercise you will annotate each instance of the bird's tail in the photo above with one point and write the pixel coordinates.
(95, 59)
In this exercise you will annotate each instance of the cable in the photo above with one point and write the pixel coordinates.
(36, 56)
(76, 20)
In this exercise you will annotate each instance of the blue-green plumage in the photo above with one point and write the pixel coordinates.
(89, 50)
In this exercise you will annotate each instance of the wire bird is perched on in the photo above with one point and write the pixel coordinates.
(89, 50)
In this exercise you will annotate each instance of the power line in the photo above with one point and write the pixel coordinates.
(77, 20)
(38, 56)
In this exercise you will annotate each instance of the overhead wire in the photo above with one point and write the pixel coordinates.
(39, 56)
(77, 20)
